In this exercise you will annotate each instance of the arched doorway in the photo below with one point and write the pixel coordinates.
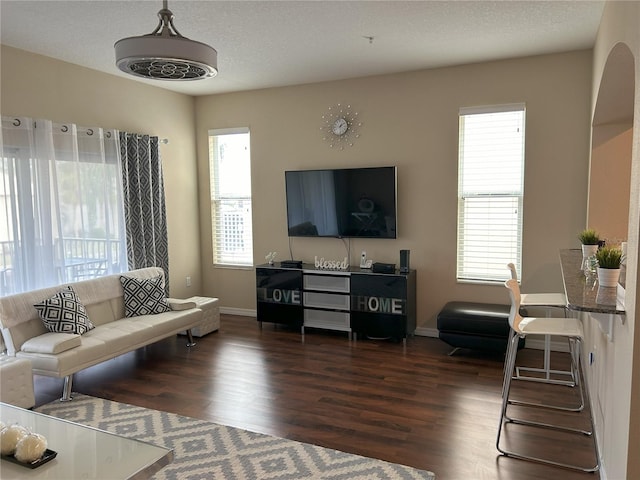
(613, 210)
(612, 140)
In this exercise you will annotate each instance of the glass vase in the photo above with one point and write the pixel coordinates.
(588, 251)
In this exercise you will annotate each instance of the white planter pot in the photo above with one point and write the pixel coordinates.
(608, 277)
(588, 250)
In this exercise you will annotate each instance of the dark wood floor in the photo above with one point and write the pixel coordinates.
(415, 406)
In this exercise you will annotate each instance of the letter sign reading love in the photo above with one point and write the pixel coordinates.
(291, 297)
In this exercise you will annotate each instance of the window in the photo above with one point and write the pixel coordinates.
(230, 167)
(490, 191)
(61, 211)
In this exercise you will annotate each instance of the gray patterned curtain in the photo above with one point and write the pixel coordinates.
(144, 204)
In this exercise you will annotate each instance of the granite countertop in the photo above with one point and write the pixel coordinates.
(583, 292)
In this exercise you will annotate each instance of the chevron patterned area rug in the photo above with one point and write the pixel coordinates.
(205, 450)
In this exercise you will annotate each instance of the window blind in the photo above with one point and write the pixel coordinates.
(230, 181)
(490, 191)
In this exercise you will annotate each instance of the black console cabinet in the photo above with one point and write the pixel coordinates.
(279, 295)
(374, 305)
(383, 305)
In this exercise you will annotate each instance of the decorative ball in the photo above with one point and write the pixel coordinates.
(31, 447)
(9, 438)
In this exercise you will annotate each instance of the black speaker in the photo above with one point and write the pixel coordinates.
(404, 261)
(379, 267)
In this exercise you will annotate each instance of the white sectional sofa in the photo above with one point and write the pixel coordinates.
(62, 354)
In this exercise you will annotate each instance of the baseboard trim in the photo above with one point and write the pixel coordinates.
(242, 312)
(426, 332)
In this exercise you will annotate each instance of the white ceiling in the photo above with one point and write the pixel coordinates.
(275, 43)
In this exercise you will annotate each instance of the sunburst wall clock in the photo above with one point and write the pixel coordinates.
(340, 126)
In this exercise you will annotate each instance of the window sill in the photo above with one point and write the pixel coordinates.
(495, 283)
(233, 267)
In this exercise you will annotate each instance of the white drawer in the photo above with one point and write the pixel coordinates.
(326, 300)
(328, 320)
(327, 283)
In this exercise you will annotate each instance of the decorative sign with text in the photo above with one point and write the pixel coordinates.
(331, 264)
(392, 306)
(280, 295)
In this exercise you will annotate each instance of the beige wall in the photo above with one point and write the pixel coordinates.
(609, 185)
(40, 87)
(619, 426)
(411, 120)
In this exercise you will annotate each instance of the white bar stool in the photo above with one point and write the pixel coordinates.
(569, 328)
(546, 301)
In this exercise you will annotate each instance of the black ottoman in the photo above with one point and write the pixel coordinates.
(477, 326)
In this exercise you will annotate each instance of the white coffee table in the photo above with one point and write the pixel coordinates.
(83, 452)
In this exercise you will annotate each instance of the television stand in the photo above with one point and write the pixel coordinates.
(359, 301)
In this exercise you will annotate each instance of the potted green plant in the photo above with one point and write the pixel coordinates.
(609, 260)
(589, 239)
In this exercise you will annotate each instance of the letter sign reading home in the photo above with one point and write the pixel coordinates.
(393, 306)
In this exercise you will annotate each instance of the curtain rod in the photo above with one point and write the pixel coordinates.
(65, 128)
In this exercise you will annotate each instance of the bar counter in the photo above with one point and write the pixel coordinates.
(583, 292)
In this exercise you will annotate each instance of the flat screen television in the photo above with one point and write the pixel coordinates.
(343, 203)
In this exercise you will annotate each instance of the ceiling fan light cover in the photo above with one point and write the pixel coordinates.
(164, 54)
(166, 58)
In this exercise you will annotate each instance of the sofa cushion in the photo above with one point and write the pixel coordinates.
(64, 313)
(166, 323)
(51, 343)
(121, 334)
(101, 312)
(70, 360)
(143, 296)
(179, 304)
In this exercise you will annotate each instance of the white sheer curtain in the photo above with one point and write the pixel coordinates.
(61, 214)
